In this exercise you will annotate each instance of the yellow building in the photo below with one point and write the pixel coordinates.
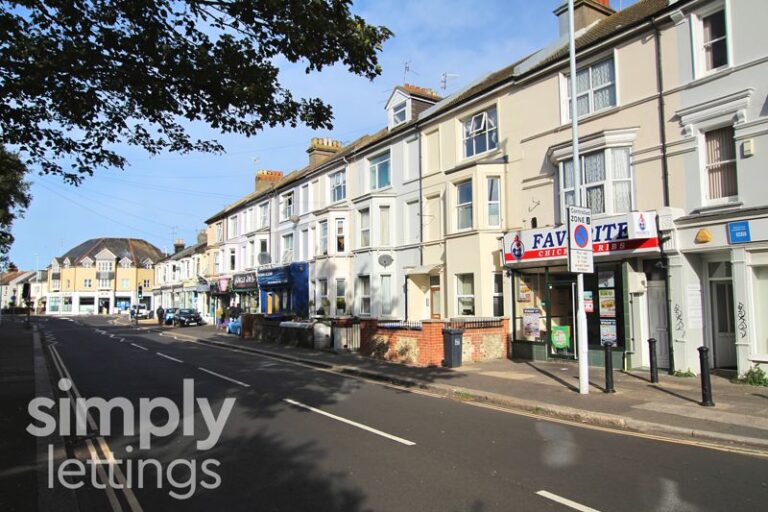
(102, 275)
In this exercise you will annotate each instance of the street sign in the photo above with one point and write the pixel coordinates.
(580, 258)
(738, 232)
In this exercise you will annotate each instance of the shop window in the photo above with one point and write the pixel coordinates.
(465, 293)
(761, 304)
(721, 164)
(606, 182)
(498, 294)
(364, 285)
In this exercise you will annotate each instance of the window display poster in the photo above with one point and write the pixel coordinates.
(561, 336)
(589, 302)
(608, 334)
(524, 293)
(605, 280)
(608, 303)
(531, 324)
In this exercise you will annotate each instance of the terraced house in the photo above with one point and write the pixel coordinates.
(102, 275)
(179, 281)
(671, 109)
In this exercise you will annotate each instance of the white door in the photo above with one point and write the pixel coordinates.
(657, 321)
(723, 324)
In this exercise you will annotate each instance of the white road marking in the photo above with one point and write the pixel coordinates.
(169, 357)
(350, 422)
(122, 340)
(103, 476)
(111, 335)
(565, 501)
(139, 346)
(225, 377)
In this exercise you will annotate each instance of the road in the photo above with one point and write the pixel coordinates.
(300, 438)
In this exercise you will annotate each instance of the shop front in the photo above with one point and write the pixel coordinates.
(246, 289)
(221, 295)
(284, 290)
(627, 285)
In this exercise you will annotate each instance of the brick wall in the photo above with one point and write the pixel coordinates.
(424, 347)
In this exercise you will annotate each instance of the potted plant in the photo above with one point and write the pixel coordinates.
(341, 305)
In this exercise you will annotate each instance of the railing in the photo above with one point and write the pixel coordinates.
(413, 326)
(473, 323)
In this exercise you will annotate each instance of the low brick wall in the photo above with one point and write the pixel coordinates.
(424, 347)
(268, 330)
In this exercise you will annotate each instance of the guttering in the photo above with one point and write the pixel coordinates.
(662, 113)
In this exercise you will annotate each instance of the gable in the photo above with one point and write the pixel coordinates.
(105, 254)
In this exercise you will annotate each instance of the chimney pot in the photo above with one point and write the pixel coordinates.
(321, 149)
(178, 245)
(266, 179)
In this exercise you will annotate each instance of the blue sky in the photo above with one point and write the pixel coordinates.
(169, 196)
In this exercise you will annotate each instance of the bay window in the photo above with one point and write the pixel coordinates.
(364, 286)
(365, 228)
(606, 182)
(464, 205)
(494, 205)
(324, 238)
(340, 239)
(465, 293)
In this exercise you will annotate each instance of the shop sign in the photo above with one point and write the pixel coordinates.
(561, 336)
(608, 334)
(531, 323)
(273, 276)
(223, 284)
(607, 303)
(579, 240)
(589, 302)
(246, 281)
(738, 232)
(610, 236)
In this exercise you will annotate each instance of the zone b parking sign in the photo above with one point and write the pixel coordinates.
(580, 240)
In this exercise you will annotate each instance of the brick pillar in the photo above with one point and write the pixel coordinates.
(368, 327)
(506, 336)
(431, 343)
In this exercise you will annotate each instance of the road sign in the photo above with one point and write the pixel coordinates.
(580, 258)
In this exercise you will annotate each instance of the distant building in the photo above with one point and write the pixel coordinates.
(11, 284)
(102, 275)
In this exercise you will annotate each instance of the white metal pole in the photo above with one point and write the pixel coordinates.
(581, 314)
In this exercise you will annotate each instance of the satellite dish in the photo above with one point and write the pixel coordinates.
(264, 258)
(294, 219)
(385, 260)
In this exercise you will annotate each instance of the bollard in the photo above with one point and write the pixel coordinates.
(609, 368)
(654, 362)
(706, 384)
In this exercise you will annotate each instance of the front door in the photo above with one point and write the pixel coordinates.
(723, 324)
(657, 321)
(562, 335)
(435, 298)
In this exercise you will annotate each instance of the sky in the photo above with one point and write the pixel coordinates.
(166, 197)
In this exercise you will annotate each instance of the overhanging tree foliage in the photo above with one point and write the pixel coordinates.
(78, 77)
(14, 198)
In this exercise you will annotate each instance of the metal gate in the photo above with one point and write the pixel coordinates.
(346, 336)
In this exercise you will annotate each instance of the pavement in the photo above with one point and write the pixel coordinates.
(312, 437)
(670, 407)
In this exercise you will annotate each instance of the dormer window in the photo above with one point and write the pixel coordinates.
(398, 113)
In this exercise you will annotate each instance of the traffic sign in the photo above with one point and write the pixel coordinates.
(580, 258)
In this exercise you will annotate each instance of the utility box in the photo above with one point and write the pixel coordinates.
(452, 340)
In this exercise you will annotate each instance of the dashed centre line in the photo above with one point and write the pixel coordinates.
(169, 357)
(224, 377)
(139, 346)
(565, 501)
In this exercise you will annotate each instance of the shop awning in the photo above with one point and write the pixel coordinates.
(424, 269)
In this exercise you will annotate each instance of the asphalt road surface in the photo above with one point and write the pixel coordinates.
(302, 439)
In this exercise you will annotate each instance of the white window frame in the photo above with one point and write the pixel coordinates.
(105, 284)
(341, 231)
(607, 183)
(343, 294)
(338, 186)
(497, 294)
(386, 295)
(304, 244)
(697, 38)
(304, 206)
(365, 228)
(323, 238)
(480, 123)
(125, 284)
(566, 88)
(232, 260)
(87, 283)
(397, 110)
(286, 206)
(496, 203)
(323, 283)
(365, 300)
(460, 296)
(220, 231)
(263, 215)
(233, 226)
(464, 206)
(284, 253)
(375, 165)
(705, 165)
(385, 238)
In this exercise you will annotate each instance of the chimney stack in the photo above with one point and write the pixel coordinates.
(178, 245)
(321, 149)
(202, 237)
(267, 179)
(585, 13)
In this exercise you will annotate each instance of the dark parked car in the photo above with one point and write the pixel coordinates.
(186, 317)
(170, 314)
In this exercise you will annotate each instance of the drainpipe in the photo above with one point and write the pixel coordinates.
(665, 185)
(421, 203)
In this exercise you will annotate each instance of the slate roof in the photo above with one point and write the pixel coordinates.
(136, 249)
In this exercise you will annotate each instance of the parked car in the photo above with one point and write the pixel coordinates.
(141, 311)
(235, 326)
(185, 317)
(170, 314)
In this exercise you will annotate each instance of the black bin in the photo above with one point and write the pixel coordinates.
(452, 347)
